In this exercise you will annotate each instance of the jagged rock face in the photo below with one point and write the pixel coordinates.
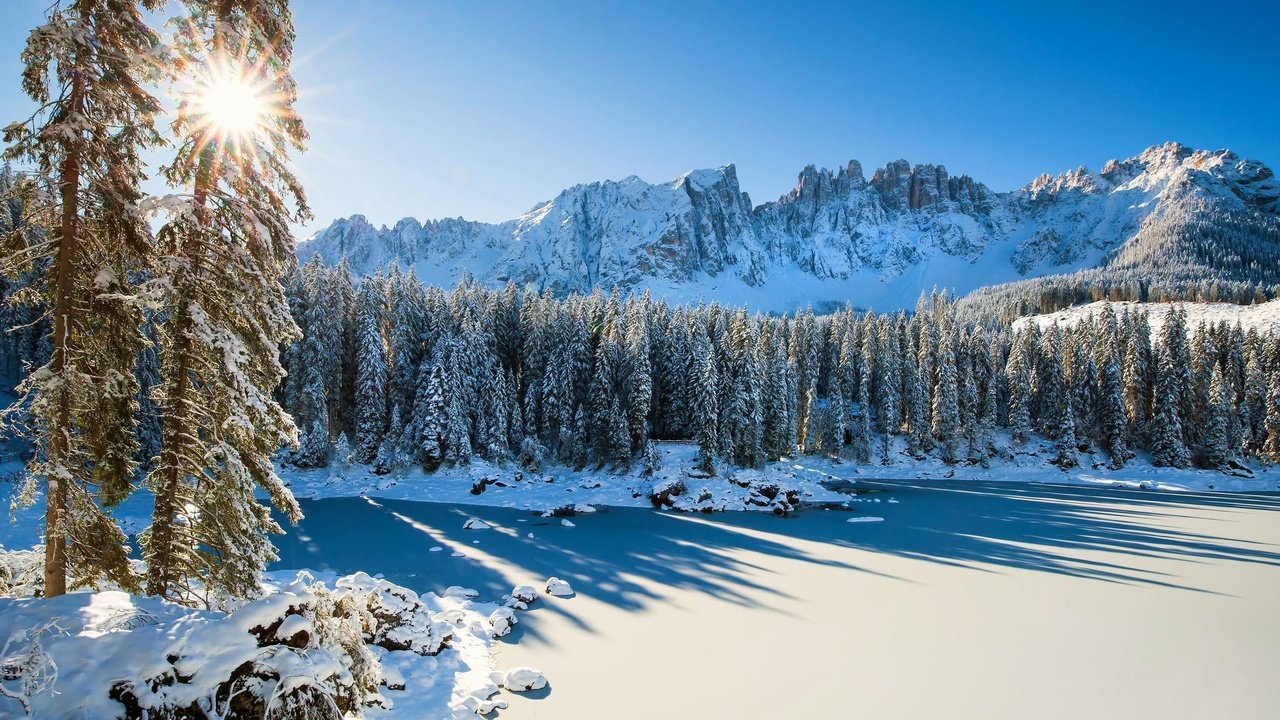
(837, 234)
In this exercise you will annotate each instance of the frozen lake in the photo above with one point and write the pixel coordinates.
(968, 601)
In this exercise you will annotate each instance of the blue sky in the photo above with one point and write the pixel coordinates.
(483, 108)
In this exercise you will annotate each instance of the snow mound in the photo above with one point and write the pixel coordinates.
(524, 593)
(865, 519)
(523, 679)
(559, 588)
(475, 524)
(501, 620)
(567, 523)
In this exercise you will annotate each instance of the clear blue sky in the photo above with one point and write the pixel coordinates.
(483, 108)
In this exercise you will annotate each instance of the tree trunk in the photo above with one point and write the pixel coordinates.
(177, 425)
(55, 547)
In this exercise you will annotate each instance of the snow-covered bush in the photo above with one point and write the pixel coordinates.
(531, 454)
(340, 460)
(22, 572)
(393, 617)
(25, 668)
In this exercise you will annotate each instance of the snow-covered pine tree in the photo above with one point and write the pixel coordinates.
(1254, 404)
(986, 382)
(83, 70)
(457, 445)
(1216, 446)
(861, 446)
(1113, 420)
(640, 385)
(1084, 384)
(406, 324)
(1018, 371)
(1167, 446)
(946, 402)
(370, 395)
(804, 354)
(1179, 349)
(888, 401)
(922, 401)
(1134, 378)
(313, 448)
(430, 418)
(706, 399)
(1271, 424)
(1204, 358)
(498, 404)
(340, 461)
(575, 440)
(1066, 435)
(1049, 385)
(389, 458)
(226, 314)
(602, 400)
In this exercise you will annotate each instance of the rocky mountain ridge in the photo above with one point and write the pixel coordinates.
(836, 237)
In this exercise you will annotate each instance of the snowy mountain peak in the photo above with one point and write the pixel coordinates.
(835, 237)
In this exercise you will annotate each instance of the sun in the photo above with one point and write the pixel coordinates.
(229, 105)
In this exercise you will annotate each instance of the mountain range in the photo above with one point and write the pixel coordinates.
(838, 237)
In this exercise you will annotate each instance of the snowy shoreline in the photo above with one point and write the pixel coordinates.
(813, 479)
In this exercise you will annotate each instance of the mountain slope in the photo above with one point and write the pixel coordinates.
(840, 237)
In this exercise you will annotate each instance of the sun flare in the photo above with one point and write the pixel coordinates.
(230, 105)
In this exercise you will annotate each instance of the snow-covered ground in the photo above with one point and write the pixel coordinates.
(427, 656)
(1263, 316)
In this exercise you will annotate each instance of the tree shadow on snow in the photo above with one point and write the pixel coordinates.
(628, 556)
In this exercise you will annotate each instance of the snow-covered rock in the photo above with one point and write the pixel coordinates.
(559, 588)
(475, 524)
(523, 679)
(501, 620)
(524, 593)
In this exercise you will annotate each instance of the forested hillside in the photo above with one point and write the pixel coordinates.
(405, 374)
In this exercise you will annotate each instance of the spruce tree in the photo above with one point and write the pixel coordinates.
(1066, 457)
(1167, 447)
(1217, 450)
(946, 410)
(706, 410)
(370, 395)
(225, 310)
(1271, 425)
(1018, 371)
(83, 68)
(1114, 421)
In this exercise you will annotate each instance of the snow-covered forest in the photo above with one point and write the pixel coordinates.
(393, 373)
